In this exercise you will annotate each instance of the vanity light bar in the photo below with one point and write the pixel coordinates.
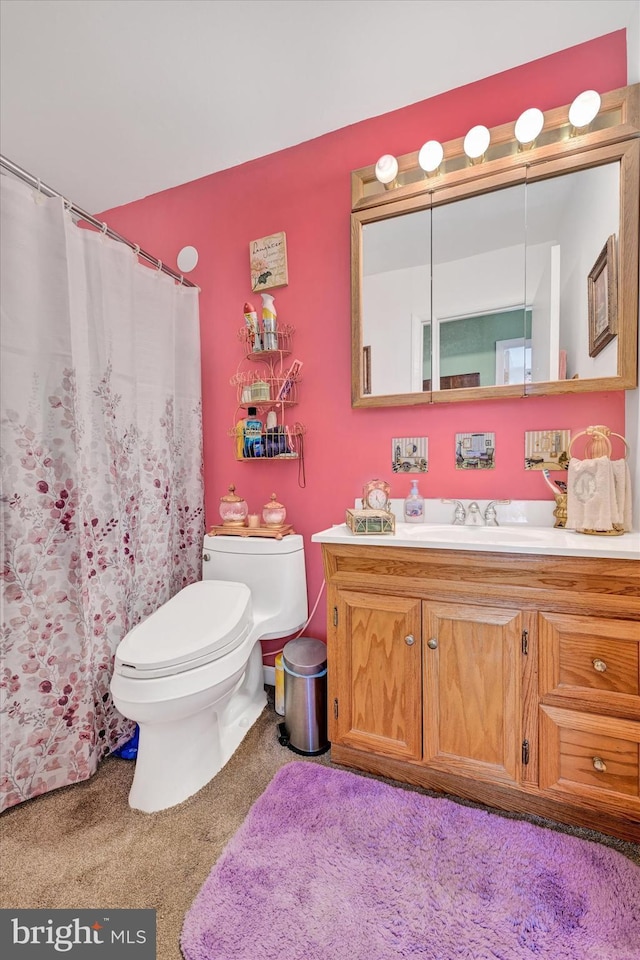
(529, 124)
(615, 113)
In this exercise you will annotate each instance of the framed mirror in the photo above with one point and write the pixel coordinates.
(518, 276)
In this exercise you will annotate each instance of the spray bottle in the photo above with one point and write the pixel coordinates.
(269, 317)
(251, 320)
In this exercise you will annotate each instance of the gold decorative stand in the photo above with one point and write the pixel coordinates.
(230, 530)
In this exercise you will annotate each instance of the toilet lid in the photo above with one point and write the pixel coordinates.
(202, 622)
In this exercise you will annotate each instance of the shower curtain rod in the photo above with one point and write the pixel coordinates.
(83, 215)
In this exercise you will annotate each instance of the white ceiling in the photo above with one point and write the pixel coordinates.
(111, 100)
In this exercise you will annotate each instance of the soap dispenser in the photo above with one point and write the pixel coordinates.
(414, 505)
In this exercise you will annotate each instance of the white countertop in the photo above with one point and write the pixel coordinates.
(520, 538)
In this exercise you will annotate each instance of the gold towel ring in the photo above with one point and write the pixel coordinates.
(599, 433)
(590, 432)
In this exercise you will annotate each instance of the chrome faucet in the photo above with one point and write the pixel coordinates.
(490, 515)
(459, 514)
(474, 517)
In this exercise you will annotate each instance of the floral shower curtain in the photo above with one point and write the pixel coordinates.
(102, 493)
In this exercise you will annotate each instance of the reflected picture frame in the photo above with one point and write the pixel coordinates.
(602, 291)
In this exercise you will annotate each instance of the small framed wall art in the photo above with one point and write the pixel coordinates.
(602, 289)
(268, 262)
(546, 449)
(475, 451)
(409, 454)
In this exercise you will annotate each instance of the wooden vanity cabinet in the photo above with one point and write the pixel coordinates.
(508, 679)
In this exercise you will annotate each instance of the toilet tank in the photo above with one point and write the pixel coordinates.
(274, 571)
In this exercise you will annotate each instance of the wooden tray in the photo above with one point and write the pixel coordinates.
(231, 531)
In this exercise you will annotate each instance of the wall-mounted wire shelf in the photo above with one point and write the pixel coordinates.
(271, 389)
(284, 336)
(282, 442)
(266, 391)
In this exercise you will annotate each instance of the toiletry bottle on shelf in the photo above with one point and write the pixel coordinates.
(240, 440)
(274, 436)
(253, 327)
(269, 318)
(414, 505)
(253, 443)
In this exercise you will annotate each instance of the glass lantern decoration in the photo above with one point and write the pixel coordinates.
(233, 509)
(273, 513)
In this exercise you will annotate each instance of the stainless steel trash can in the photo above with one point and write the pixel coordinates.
(305, 696)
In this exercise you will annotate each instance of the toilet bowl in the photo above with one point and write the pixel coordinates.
(191, 674)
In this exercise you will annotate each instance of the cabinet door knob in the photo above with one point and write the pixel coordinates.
(599, 765)
(432, 643)
(599, 665)
(410, 640)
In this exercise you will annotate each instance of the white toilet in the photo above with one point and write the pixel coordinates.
(191, 674)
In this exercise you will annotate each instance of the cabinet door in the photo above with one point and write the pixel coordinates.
(472, 667)
(377, 683)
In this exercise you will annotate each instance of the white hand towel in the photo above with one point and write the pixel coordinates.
(622, 494)
(590, 494)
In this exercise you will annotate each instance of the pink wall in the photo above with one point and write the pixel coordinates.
(305, 191)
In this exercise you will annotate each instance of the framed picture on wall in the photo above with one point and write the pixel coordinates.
(602, 289)
(268, 262)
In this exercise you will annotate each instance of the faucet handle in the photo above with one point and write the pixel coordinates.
(490, 515)
(459, 514)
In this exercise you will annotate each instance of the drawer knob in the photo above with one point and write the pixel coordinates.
(599, 665)
(599, 765)
(410, 640)
(432, 643)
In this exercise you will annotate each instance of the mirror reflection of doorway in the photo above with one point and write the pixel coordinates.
(472, 351)
(513, 361)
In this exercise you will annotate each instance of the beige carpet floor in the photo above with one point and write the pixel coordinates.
(83, 847)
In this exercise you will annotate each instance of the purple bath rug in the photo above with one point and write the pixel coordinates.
(331, 865)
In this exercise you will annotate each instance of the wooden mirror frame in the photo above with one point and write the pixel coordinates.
(613, 136)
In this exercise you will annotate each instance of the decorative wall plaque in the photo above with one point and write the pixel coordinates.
(268, 262)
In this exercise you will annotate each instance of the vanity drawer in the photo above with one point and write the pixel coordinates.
(590, 659)
(586, 755)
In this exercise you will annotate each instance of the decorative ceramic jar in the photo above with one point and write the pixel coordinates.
(233, 509)
(273, 513)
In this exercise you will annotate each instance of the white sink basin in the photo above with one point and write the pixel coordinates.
(448, 533)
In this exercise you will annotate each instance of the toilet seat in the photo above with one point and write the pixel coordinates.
(201, 623)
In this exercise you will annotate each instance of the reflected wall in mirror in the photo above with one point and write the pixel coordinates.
(568, 221)
(479, 322)
(396, 301)
(474, 284)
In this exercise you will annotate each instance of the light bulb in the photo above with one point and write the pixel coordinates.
(584, 108)
(528, 126)
(430, 156)
(386, 169)
(476, 142)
